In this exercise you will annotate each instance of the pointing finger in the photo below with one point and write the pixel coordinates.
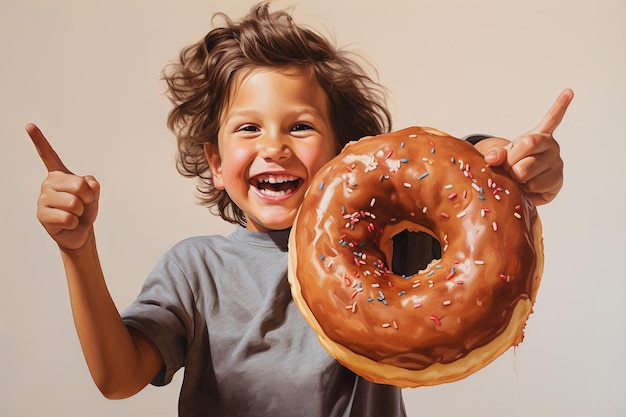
(47, 154)
(553, 117)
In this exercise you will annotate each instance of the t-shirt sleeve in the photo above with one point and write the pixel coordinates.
(163, 312)
(476, 137)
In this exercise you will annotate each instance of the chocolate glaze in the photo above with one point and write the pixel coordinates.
(440, 185)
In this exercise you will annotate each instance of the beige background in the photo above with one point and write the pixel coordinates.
(88, 74)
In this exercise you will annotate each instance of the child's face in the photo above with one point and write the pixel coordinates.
(275, 135)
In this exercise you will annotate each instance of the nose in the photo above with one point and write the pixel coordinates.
(274, 146)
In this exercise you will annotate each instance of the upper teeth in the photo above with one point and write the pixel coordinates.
(277, 179)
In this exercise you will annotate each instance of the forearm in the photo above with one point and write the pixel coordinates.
(121, 363)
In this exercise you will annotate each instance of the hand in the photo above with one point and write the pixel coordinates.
(533, 158)
(68, 204)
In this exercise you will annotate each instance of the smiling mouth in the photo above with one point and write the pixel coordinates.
(276, 185)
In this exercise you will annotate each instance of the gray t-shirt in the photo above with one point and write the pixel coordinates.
(221, 308)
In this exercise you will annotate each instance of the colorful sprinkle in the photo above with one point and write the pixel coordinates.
(436, 320)
(451, 274)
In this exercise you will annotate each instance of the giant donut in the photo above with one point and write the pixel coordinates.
(446, 321)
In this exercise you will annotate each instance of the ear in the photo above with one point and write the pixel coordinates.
(215, 163)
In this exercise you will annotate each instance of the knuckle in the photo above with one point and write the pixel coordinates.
(532, 187)
(520, 172)
(49, 183)
(76, 185)
(68, 220)
(75, 205)
(528, 141)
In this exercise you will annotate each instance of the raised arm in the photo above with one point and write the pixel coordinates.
(533, 158)
(121, 362)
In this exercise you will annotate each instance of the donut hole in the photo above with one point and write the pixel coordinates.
(413, 251)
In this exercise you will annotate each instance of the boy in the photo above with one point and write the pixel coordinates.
(259, 106)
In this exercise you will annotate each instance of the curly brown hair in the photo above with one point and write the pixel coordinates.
(199, 87)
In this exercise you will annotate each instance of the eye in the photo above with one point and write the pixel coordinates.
(248, 128)
(301, 127)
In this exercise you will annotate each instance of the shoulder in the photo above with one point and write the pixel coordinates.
(188, 253)
(239, 240)
(199, 243)
(194, 250)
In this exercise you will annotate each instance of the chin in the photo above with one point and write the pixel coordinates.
(273, 222)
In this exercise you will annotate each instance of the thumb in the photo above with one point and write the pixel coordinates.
(91, 200)
(94, 186)
(496, 156)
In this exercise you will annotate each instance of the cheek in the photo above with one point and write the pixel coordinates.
(318, 155)
(238, 159)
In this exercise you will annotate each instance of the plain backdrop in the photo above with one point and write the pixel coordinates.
(88, 73)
